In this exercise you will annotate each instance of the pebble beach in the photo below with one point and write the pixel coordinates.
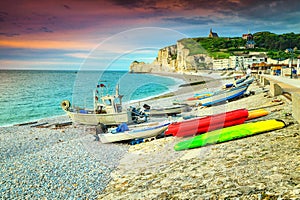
(55, 163)
(69, 163)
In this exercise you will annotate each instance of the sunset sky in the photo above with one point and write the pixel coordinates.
(96, 34)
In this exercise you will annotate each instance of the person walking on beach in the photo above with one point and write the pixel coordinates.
(248, 71)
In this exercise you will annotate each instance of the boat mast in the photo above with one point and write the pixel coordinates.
(117, 90)
(95, 100)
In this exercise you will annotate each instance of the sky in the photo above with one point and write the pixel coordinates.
(97, 34)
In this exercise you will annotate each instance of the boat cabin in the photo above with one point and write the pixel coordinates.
(109, 104)
(112, 104)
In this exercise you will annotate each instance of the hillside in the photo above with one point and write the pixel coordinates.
(275, 45)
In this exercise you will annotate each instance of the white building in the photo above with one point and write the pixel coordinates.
(236, 62)
(248, 61)
(242, 62)
(221, 64)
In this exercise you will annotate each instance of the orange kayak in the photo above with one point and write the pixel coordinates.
(257, 113)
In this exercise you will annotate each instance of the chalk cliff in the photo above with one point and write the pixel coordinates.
(176, 58)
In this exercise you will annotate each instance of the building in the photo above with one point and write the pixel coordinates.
(247, 36)
(212, 34)
(236, 62)
(220, 64)
(240, 62)
(249, 61)
(250, 44)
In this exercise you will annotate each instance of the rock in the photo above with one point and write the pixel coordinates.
(175, 58)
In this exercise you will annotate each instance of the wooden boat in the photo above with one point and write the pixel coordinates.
(237, 81)
(218, 97)
(248, 81)
(107, 110)
(172, 110)
(203, 95)
(135, 132)
(200, 125)
(230, 133)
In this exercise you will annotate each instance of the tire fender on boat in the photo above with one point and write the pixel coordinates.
(65, 104)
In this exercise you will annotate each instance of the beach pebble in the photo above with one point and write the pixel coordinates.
(39, 163)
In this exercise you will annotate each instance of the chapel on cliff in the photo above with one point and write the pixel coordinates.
(212, 34)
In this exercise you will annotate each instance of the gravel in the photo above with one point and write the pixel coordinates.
(51, 163)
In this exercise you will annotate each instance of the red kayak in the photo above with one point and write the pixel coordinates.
(204, 124)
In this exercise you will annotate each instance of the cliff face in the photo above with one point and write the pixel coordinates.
(175, 58)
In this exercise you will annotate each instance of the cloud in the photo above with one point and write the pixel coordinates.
(9, 34)
(73, 28)
(78, 55)
(45, 44)
(45, 29)
(191, 20)
(36, 64)
(66, 6)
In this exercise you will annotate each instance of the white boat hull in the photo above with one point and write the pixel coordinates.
(145, 132)
(168, 110)
(95, 119)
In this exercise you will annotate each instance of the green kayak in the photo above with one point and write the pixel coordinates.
(230, 133)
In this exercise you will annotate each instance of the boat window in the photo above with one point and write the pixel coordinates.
(108, 102)
(117, 101)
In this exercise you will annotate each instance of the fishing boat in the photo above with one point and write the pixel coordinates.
(218, 97)
(146, 130)
(227, 87)
(248, 81)
(200, 125)
(237, 81)
(107, 110)
(230, 133)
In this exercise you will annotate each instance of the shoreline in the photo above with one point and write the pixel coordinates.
(193, 83)
(184, 91)
(177, 78)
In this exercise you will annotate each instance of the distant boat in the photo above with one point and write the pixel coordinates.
(146, 130)
(171, 110)
(237, 81)
(218, 97)
(248, 81)
(107, 110)
(241, 82)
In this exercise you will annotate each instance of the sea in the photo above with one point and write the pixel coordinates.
(29, 95)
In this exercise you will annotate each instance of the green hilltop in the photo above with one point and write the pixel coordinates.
(222, 47)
